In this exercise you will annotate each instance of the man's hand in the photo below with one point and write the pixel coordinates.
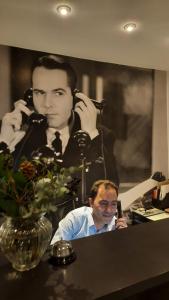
(121, 223)
(88, 115)
(11, 122)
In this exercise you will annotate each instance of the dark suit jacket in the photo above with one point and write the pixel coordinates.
(99, 152)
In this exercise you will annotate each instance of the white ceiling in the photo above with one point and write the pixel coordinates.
(93, 31)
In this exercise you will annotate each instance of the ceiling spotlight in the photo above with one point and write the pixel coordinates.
(129, 27)
(63, 10)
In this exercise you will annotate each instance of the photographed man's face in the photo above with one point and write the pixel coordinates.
(104, 205)
(52, 96)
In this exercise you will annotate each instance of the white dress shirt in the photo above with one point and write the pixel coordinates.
(79, 223)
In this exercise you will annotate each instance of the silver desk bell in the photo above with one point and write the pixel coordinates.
(62, 253)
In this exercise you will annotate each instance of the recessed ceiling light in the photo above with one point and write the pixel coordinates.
(129, 27)
(64, 10)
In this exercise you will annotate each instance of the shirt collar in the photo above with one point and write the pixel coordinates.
(112, 223)
(90, 218)
(91, 221)
(63, 131)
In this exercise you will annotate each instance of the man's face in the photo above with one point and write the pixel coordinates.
(52, 96)
(104, 205)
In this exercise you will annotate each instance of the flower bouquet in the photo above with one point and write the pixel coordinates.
(26, 194)
(36, 187)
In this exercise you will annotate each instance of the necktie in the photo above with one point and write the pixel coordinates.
(57, 144)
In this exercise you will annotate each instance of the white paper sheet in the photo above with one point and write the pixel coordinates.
(127, 198)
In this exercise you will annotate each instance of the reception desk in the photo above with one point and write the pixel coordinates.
(132, 263)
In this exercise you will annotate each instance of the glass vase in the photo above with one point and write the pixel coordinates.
(24, 241)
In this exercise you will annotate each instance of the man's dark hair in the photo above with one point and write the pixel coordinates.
(106, 183)
(52, 62)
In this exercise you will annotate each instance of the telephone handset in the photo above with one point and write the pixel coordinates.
(28, 98)
(97, 104)
(35, 118)
(34, 126)
(119, 210)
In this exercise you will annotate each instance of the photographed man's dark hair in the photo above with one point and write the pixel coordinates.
(52, 62)
(106, 183)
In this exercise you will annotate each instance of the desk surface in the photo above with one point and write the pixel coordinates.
(115, 264)
(153, 214)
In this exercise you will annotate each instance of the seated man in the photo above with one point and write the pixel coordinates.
(99, 217)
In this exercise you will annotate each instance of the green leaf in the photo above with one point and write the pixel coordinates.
(19, 179)
(9, 207)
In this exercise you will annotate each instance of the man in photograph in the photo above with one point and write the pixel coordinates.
(62, 113)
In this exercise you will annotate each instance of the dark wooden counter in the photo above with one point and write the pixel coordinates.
(115, 265)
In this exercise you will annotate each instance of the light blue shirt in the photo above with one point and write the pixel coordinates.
(79, 223)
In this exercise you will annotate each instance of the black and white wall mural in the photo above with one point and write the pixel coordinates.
(125, 120)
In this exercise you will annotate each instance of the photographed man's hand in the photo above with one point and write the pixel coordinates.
(121, 223)
(88, 115)
(11, 123)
